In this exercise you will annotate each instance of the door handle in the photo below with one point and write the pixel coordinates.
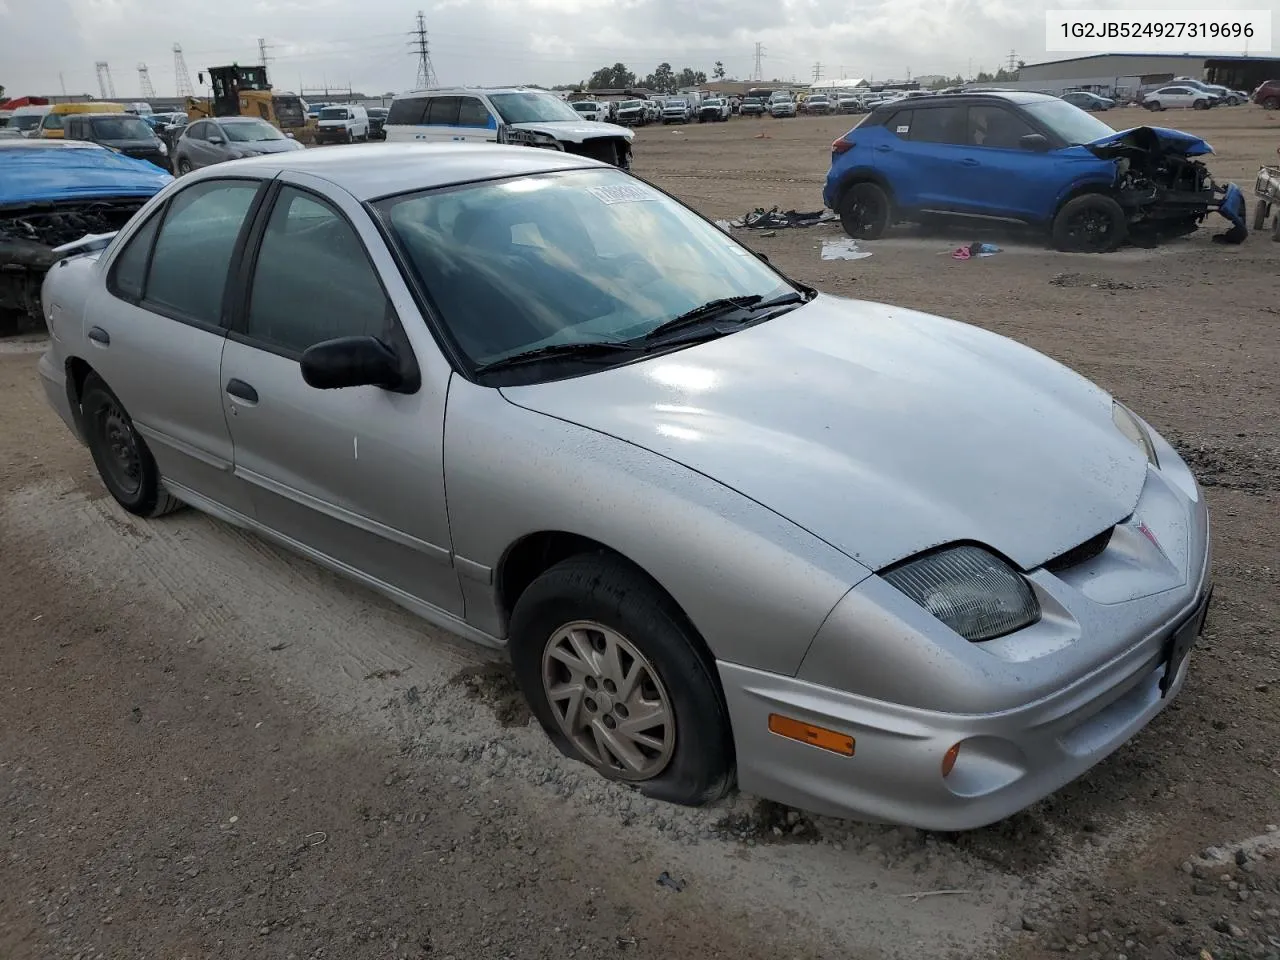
(98, 335)
(242, 391)
(883, 147)
(969, 162)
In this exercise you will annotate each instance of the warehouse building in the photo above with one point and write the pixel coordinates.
(1123, 73)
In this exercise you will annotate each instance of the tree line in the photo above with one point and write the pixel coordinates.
(663, 79)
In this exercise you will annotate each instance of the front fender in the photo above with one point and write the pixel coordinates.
(756, 586)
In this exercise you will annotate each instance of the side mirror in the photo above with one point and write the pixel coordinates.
(1036, 142)
(214, 138)
(351, 362)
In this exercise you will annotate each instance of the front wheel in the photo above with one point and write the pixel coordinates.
(124, 462)
(615, 675)
(184, 166)
(1201, 104)
(1093, 223)
(1271, 103)
(865, 211)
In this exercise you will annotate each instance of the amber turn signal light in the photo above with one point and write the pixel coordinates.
(949, 759)
(840, 743)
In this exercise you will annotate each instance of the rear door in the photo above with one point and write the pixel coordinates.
(441, 120)
(929, 146)
(354, 475)
(405, 117)
(157, 338)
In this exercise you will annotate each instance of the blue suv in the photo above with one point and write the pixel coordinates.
(1023, 158)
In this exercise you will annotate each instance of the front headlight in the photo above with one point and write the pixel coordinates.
(1128, 424)
(164, 151)
(970, 589)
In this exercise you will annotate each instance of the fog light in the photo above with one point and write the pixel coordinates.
(949, 759)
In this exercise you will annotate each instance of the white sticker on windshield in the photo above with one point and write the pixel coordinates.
(623, 193)
(903, 129)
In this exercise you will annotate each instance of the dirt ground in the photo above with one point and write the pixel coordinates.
(209, 748)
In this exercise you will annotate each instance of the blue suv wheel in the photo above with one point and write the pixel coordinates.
(865, 211)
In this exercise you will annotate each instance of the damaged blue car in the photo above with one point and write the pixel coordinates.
(1027, 159)
(54, 192)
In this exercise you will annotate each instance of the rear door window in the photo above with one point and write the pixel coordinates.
(443, 111)
(938, 125)
(195, 247)
(900, 124)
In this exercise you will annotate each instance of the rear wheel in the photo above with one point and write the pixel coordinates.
(616, 676)
(123, 460)
(184, 166)
(865, 210)
(1093, 223)
(1271, 103)
(1201, 104)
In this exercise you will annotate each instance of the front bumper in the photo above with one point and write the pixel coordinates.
(1033, 710)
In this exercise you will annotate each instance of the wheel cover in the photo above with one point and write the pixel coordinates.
(608, 700)
(1090, 228)
(120, 448)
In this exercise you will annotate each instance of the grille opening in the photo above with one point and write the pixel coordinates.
(1078, 555)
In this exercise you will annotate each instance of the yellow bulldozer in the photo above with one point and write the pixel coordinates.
(246, 92)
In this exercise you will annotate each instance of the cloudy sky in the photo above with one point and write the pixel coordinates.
(46, 45)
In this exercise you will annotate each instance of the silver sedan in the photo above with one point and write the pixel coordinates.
(206, 142)
(866, 561)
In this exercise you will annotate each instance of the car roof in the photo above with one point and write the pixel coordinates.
(100, 116)
(384, 169)
(951, 99)
(236, 119)
(41, 143)
(442, 91)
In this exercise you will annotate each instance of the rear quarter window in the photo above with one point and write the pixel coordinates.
(407, 112)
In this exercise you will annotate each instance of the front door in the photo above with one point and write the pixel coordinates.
(355, 474)
(157, 339)
(999, 177)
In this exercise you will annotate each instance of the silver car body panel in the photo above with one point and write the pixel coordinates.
(810, 415)
(759, 478)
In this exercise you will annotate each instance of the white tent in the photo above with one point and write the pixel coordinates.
(836, 83)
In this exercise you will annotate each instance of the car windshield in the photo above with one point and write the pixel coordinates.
(1068, 121)
(628, 104)
(250, 131)
(334, 113)
(26, 122)
(585, 256)
(675, 103)
(532, 107)
(121, 128)
(377, 113)
(585, 107)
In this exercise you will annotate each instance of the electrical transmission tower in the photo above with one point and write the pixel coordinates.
(757, 71)
(180, 73)
(817, 72)
(1013, 61)
(105, 83)
(144, 78)
(422, 51)
(262, 51)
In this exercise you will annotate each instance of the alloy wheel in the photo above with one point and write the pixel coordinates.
(608, 700)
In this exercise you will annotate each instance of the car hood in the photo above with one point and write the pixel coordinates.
(1149, 138)
(35, 171)
(572, 132)
(880, 430)
(268, 146)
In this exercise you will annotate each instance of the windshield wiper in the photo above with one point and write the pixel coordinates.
(588, 350)
(720, 308)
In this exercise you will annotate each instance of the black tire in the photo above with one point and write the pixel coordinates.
(184, 167)
(1260, 211)
(865, 211)
(1152, 106)
(122, 457)
(1275, 229)
(1201, 104)
(1271, 103)
(606, 590)
(1092, 223)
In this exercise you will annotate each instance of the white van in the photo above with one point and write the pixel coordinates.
(342, 123)
(520, 115)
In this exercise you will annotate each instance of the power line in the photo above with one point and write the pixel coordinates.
(144, 78)
(817, 72)
(757, 71)
(422, 50)
(180, 73)
(262, 51)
